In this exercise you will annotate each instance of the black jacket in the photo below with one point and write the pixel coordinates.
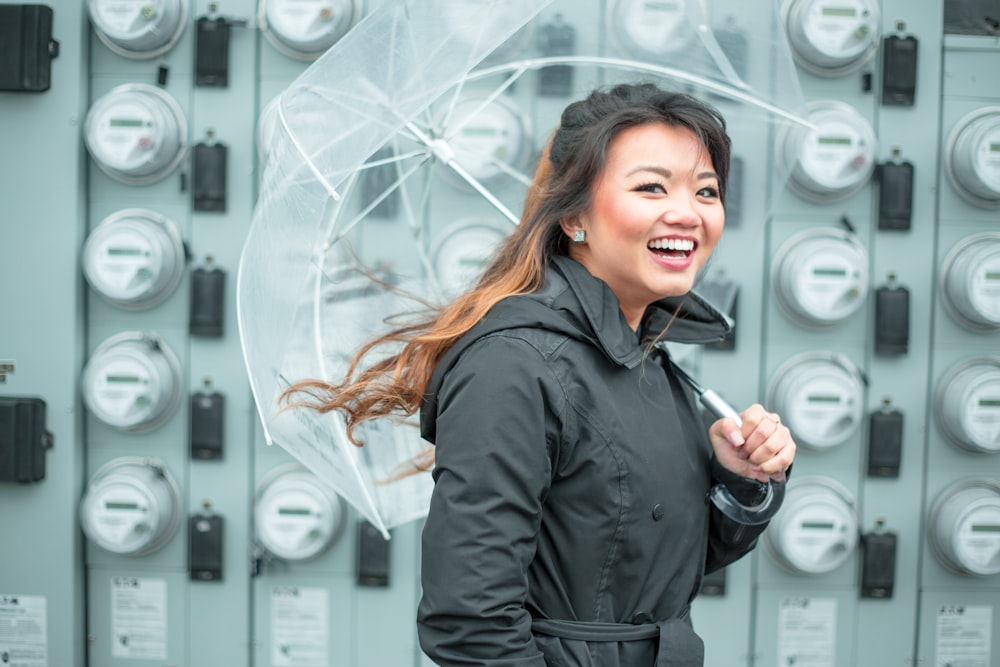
(569, 523)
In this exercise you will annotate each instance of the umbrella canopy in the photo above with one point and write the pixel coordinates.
(419, 93)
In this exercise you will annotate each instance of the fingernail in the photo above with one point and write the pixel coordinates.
(736, 438)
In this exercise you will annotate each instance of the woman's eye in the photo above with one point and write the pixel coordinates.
(711, 193)
(651, 187)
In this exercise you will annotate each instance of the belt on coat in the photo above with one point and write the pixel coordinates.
(679, 645)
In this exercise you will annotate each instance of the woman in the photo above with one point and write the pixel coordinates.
(569, 523)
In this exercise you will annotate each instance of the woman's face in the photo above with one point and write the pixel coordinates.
(655, 216)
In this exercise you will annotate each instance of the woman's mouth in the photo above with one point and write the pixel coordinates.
(673, 248)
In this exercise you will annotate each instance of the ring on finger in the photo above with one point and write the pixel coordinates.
(773, 417)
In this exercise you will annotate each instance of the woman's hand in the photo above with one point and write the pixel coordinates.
(762, 448)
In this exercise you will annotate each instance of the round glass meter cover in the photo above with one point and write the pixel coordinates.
(306, 29)
(131, 382)
(490, 140)
(460, 254)
(832, 38)
(651, 29)
(821, 396)
(134, 258)
(138, 29)
(972, 157)
(834, 158)
(136, 133)
(131, 506)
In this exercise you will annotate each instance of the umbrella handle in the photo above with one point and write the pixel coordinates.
(748, 515)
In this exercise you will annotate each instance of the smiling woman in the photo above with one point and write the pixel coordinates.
(568, 523)
(656, 216)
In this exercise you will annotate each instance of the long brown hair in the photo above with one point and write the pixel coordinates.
(571, 162)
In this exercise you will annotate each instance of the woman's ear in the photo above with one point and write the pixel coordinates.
(571, 225)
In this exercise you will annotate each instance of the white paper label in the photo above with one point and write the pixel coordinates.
(138, 618)
(807, 632)
(299, 620)
(963, 636)
(23, 640)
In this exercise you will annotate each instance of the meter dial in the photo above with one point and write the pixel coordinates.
(461, 252)
(297, 517)
(136, 133)
(132, 381)
(820, 277)
(138, 29)
(972, 158)
(965, 527)
(834, 158)
(832, 38)
(490, 140)
(304, 29)
(820, 395)
(131, 507)
(968, 404)
(134, 258)
(651, 29)
(970, 282)
(816, 529)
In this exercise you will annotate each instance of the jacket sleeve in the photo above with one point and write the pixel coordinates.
(728, 541)
(492, 470)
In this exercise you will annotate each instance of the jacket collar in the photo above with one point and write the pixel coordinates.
(682, 319)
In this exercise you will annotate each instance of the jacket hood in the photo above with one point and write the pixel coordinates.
(575, 304)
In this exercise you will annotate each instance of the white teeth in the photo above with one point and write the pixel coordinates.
(685, 245)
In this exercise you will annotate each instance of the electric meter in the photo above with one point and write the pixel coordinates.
(304, 29)
(833, 158)
(651, 29)
(461, 252)
(134, 258)
(820, 277)
(816, 529)
(490, 139)
(972, 157)
(965, 527)
(820, 396)
(297, 517)
(832, 38)
(132, 381)
(967, 402)
(136, 133)
(970, 282)
(138, 29)
(132, 506)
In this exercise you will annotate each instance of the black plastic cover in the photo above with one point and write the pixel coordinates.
(24, 439)
(899, 70)
(208, 416)
(211, 67)
(205, 533)
(895, 201)
(26, 48)
(878, 565)
(209, 177)
(208, 302)
(892, 321)
(885, 443)
(373, 556)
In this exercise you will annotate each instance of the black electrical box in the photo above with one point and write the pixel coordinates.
(23, 439)
(208, 302)
(205, 533)
(208, 177)
(26, 48)
(892, 320)
(373, 556)
(878, 565)
(895, 195)
(208, 418)
(885, 443)
(899, 70)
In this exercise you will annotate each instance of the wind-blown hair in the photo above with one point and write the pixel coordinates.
(570, 164)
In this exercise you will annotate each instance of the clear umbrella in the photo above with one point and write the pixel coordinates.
(425, 96)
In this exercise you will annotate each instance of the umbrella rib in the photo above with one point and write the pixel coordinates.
(508, 169)
(492, 97)
(378, 200)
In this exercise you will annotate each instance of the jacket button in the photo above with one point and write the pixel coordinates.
(641, 618)
(657, 512)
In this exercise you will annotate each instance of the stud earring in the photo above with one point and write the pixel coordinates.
(579, 236)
